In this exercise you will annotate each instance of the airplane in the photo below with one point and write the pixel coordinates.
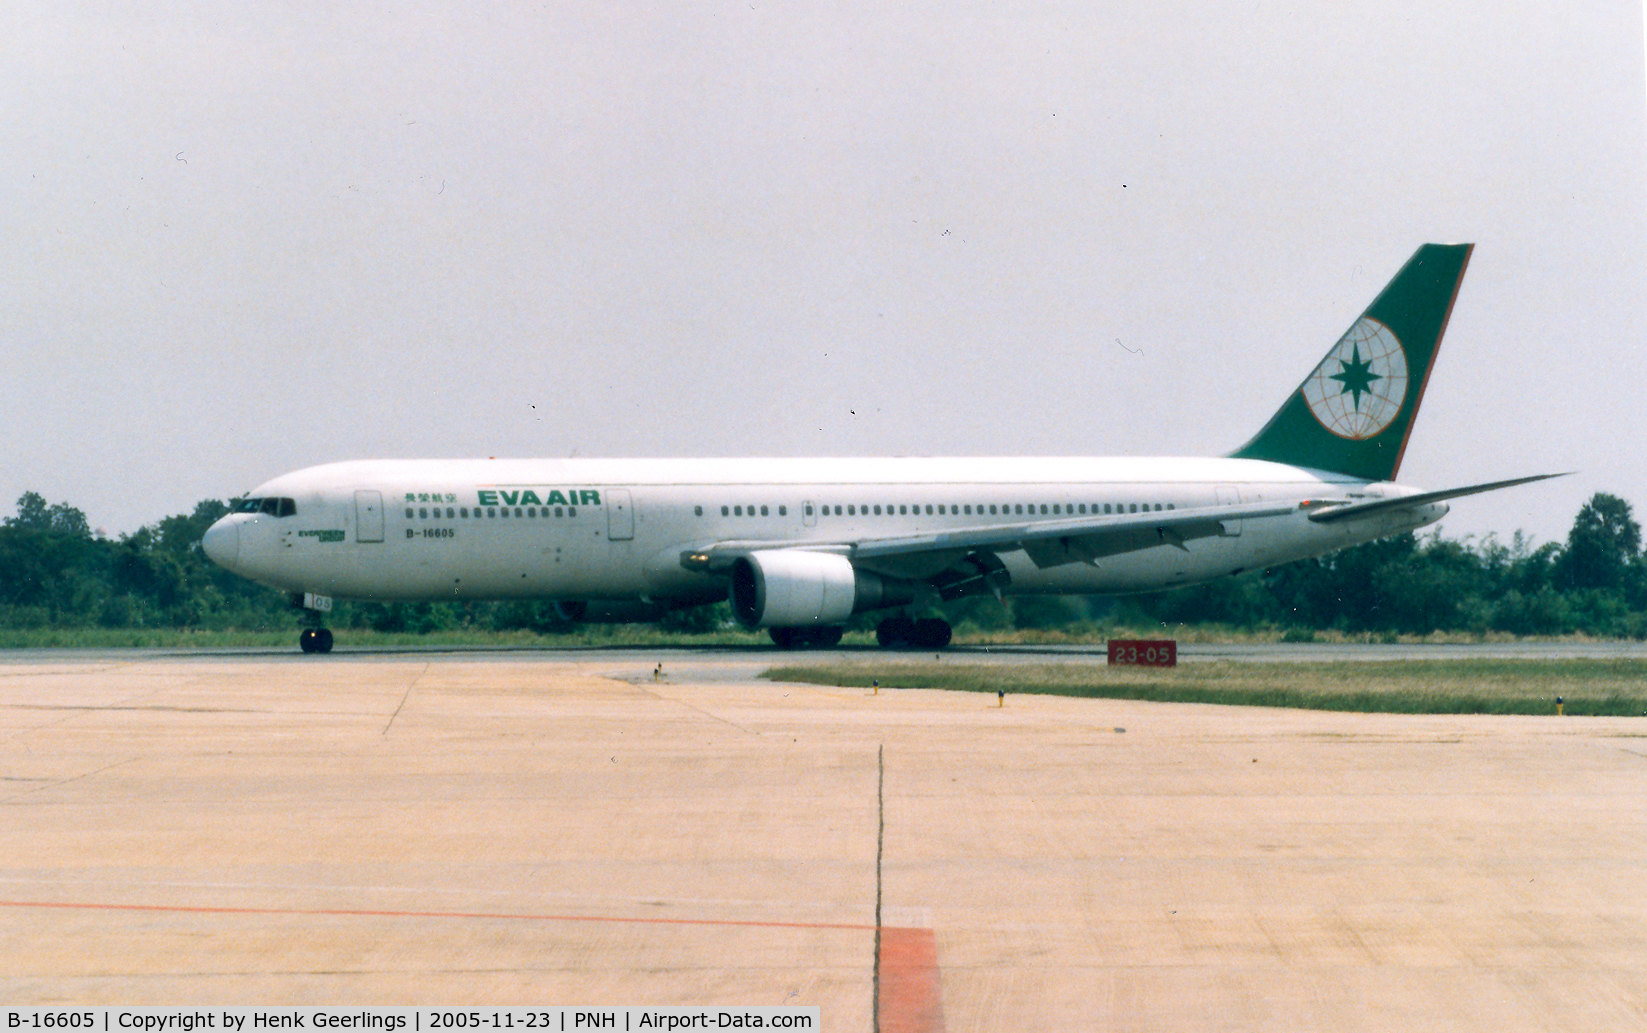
(800, 545)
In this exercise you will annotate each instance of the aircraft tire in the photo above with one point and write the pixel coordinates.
(932, 633)
(324, 643)
(895, 633)
(826, 637)
(315, 640)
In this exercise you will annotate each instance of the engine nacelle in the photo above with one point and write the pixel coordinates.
(793, 588)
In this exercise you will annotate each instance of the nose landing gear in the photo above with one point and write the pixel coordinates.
(315, 638)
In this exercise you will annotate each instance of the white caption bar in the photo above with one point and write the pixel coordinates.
(400, 1020)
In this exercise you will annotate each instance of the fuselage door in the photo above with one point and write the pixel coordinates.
(1229, 495)
(809, 514)
(620, 515)
(368, 516)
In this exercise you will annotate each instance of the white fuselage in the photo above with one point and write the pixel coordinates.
(587, 529)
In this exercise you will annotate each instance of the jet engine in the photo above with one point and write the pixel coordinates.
(793, 588)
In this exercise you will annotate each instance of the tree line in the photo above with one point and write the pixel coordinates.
(56, 573)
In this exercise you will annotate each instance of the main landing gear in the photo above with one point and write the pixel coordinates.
(905, 633)
(825, 637)
(892, 633)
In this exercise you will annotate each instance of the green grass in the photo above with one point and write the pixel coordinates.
(1589, 687)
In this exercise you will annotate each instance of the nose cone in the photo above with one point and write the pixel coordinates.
(222, 542)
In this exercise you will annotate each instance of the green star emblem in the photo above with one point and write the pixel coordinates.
(1356, 376)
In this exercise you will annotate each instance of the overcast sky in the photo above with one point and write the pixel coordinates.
(246, 238)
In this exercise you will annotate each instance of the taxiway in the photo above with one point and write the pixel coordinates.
(528, 828)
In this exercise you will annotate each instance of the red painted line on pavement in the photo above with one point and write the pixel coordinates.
(909, 1000)
(362, 913)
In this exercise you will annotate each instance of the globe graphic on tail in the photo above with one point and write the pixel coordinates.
(1359, 387)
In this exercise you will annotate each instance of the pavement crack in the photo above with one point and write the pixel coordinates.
(404, 697)
(56, 782)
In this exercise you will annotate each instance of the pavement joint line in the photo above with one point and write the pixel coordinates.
(200, 909)
(880, 853)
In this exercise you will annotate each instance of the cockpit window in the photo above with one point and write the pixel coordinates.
(274, 507)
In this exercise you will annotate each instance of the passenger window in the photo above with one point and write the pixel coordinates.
(571, 511)
(784, 510)
(1043, 508)
(1083, 507)
(491, 514)
(1134, 508)
(532, 511)
(838, 510)
(409, 512)
(763, 511)
(559, 512)
(697, 511)
(724, 511)
(1106, 507)
(737, 511)
(851, 510)
(423, 514)
(463, 512)
(1171, 506)
(807, 510)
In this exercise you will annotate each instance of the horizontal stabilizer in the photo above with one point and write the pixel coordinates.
(1356, 510)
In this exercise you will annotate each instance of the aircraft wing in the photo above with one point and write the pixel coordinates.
(934, 556)
(956, 560)
(1051, 543)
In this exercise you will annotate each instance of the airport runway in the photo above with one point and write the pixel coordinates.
(440, 828)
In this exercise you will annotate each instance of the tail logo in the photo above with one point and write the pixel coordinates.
(1359, 387)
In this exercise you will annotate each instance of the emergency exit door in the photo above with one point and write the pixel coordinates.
(620, 515)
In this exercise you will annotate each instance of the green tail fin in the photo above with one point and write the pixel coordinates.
(1354, 413)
